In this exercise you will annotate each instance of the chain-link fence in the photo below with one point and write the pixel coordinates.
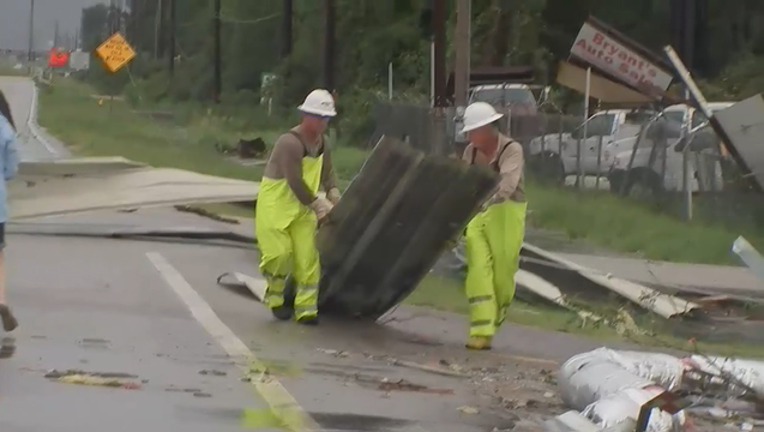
(644, 155)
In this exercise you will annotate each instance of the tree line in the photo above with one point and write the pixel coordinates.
(371, 34)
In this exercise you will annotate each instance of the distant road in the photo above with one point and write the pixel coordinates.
(20, 92)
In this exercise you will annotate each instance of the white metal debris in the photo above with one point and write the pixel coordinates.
(750, 256)
(91, 184)
(664, 305)
(256, 286)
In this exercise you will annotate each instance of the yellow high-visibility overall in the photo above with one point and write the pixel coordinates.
(493, 238)
(286, 231)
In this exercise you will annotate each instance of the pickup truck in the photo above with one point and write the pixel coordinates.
(556, 155)
(645, 176)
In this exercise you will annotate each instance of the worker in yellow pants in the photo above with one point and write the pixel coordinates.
(494, 236)
(288, 210)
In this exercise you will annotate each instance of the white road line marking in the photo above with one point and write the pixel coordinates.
(282, 404)
(32, 122)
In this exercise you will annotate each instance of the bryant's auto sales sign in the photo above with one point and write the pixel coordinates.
(611, 56)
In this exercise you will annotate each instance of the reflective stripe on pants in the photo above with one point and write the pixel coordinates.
(494, 239)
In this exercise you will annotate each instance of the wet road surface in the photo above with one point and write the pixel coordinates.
(149, 318)
(150, 315)
(102, 306)
(34, 142)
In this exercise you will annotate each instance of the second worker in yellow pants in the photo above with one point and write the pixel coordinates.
(288, 210)
(494, 236)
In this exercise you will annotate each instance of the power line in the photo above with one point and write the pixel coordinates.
(250, 21)
(31, 32)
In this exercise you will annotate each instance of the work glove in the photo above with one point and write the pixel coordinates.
(334, 195)
(487, 203)
(321, 207)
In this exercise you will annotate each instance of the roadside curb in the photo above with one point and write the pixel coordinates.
(37, 132)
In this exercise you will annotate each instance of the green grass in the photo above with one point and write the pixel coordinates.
(598, 218)
(69, 111)
(447, 294)
(626, 226)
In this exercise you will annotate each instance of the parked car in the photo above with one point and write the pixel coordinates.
(644, 175)
(518, 99)
(556, 155)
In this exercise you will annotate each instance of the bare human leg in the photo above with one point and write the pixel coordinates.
(9, 321)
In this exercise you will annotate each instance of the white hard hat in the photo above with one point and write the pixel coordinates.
(319, 102)
(479, 114)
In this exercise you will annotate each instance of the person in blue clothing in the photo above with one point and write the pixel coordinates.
(9, 163)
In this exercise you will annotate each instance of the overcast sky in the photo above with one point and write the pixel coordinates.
(14, 21)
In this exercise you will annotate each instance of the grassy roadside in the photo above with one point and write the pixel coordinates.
(70, 112)
(448, 295)
(621, 225)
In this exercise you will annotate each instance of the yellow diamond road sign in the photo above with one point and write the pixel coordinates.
(115, 52)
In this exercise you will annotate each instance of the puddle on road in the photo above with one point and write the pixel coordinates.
(267, 419)
(358, 422)
(7, 348)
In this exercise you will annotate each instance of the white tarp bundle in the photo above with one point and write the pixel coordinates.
(610, 386)
(615, 409)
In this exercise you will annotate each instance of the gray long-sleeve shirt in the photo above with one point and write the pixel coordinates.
(285, 162)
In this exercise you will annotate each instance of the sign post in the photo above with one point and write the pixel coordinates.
(115, 52)
(612, 55)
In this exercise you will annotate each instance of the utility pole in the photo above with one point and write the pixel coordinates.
(329, 22)
(462, 45)
(111, 16)
(171, 39)
(160, 30)
(286, 28)
(55, 35)
(135, 21)
(683, 39)
(440, 102)
(217, 60)
(31, 32)
(439, 52)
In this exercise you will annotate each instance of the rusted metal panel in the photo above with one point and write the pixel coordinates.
(395, 220)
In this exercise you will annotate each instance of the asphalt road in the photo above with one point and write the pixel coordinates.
(33, 144)
(152, 313)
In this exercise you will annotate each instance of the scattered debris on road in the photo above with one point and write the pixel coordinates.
(468, 410)
(116, 380)
(334, 353)
(452, 370)
(206, 214)
(7, 347)
(406, 386)
(216, 373)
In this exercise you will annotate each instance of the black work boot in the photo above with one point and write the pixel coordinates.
(308, 320)
(9, 321)
(283, 312)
